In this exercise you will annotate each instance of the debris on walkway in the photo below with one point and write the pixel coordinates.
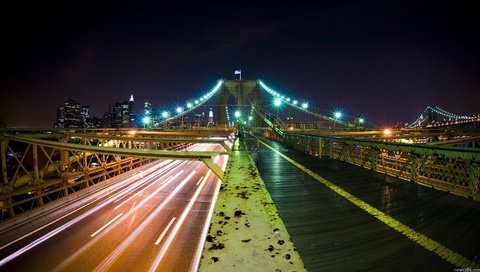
(246, 232)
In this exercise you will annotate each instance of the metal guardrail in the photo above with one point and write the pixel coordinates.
(456, 170)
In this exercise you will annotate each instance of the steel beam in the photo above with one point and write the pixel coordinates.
(143, 153)
(217, 170)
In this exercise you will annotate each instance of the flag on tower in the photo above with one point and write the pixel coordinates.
(239, 72)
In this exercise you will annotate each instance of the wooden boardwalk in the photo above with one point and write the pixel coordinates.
(335, 234)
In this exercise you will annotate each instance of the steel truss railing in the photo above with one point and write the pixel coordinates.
(456, 170)
(273, 121)
(36, 171)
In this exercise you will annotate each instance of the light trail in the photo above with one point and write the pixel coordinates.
(61, 266)
(155, 175)
(198, 182)
(107, 262)
(164, 231)
(172, 235)
(106, 225)
(80, 217)
(123, 190)
(163, 173)
(66, 225)
(203, 236)
(206, 226)
(119, 184)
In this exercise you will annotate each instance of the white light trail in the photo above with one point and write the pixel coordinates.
(162, 174)
(165, 231)
(107, 262)
(68, 224)
(203, 236)
(61, 266)
(174, 232)
(106, 225)
(199, 180)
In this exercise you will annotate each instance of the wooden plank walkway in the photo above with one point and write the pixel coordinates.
(333, 234)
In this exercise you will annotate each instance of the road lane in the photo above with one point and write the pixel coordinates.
(122, 228)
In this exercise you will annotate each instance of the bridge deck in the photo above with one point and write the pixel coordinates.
(334, 234)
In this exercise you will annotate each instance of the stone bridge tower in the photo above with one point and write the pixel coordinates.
(245, 93)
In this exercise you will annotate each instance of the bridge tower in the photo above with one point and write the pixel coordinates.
(245, 92)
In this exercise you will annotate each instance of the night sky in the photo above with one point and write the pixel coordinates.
(387, 60)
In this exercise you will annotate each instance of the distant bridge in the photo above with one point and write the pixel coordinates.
(436, 117)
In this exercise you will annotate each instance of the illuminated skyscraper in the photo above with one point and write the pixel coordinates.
(131, 111)
(72, 114)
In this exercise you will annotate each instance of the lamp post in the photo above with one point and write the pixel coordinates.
(360, 122)
(336, 116)
(277, 102)
(237, 117)
(146, 121)
(165, 115)
(180, 111)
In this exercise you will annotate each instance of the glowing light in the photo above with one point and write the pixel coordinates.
(277, 102)
(146, 120)
(217, 87)
(304, 105)
(265, 87)
(295, 102)
(250, 118)
(179, 110)
(361, 120)
(189, 105)
(387, 131)
(237, 114)
(337, 115)
(165, 114)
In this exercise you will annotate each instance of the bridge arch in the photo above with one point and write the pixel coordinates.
(245, 93)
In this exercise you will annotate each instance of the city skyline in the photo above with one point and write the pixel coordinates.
(387, 61)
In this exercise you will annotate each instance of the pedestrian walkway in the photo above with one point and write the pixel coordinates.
(246, 233)
(343, 217)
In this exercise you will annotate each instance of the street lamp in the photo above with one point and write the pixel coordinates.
(237, 116)
(179, 111)
(165, 115)
(146, 121)
(336, 116)
(360, 122)
(277, 102)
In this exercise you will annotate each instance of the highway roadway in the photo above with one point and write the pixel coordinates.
(157, 223)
